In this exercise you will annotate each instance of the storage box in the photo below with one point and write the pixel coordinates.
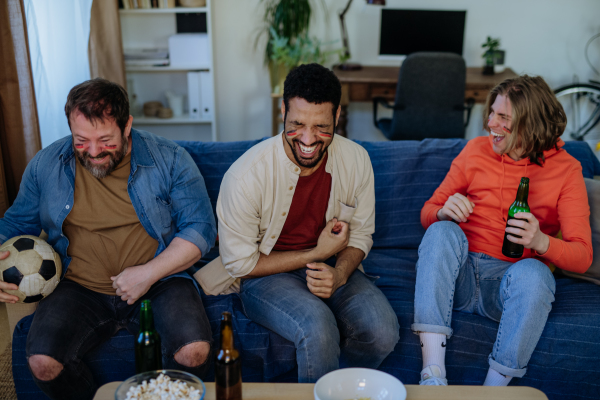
(189, 50)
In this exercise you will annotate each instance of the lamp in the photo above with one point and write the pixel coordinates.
(351, 66)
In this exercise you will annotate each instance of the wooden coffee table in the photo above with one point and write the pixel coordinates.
(304, 391)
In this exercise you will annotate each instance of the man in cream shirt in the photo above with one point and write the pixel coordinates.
(296, 214)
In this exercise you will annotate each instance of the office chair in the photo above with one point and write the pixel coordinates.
(430, 99)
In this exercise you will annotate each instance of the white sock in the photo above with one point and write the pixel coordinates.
(495, 378)
(433, 347)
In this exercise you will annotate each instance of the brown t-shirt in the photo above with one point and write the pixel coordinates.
(105, 234)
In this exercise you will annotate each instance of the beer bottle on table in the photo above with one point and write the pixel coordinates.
(510, 249)
(148, 355)
(228, 367)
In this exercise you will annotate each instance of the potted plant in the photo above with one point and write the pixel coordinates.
(286, 54)
(492, 46)
(285, 22)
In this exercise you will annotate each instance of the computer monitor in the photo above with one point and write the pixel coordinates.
(407, 31)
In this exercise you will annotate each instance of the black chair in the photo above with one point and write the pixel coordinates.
(430, 99)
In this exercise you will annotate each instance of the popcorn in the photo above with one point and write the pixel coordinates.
(163, 388)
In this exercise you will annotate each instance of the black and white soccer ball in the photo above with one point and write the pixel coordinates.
(33, 265)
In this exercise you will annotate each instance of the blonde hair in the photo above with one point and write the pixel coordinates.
(538, 119)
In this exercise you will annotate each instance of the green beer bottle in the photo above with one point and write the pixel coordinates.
(510, 249)
(228, 366)
(148, 355)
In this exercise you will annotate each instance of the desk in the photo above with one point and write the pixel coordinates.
(369, 82)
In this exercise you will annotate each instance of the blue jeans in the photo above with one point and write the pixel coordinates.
(358, 312)
(73, 320)
(518, 295)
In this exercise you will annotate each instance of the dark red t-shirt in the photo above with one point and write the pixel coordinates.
(306, 218)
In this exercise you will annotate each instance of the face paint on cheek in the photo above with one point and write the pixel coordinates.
(290, 134)
(325, 135)
(505, 129)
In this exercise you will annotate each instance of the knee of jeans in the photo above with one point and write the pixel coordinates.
(44, 368)
(532, 273)
(380, 331)
(318, 331)
(385, 339)
(444, 232)
(444, 228)
(193, 354)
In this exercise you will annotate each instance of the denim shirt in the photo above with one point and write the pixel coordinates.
(165, 187)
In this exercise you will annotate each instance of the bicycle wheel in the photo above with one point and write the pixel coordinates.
(581, 102)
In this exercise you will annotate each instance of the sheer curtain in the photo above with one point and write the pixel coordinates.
(58, 32)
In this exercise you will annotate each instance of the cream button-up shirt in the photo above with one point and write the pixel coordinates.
(255, 198)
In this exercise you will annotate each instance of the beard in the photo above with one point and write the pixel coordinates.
(310, 163)
(100, 171)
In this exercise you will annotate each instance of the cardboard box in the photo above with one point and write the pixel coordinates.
(189, 50)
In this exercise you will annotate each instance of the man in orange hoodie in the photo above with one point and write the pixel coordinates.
(461, 265)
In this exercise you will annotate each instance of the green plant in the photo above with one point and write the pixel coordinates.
(303, 50)
(289, 19)
(492, 46)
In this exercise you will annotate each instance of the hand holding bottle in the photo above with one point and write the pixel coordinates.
(527, 227)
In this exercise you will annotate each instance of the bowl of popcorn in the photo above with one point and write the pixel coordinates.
(166, 384)
(359, 384)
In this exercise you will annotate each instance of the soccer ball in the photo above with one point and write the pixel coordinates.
(33, 265)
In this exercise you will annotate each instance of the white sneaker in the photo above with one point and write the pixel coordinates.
(432, 375)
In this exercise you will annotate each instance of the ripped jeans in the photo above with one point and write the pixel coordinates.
(72, 320)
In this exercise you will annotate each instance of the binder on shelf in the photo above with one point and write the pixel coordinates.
(206, 94)
(200, 95)
(193, 80)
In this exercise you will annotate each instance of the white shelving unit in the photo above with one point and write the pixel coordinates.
(151, 28)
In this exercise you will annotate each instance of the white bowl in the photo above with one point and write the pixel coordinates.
(358, 383)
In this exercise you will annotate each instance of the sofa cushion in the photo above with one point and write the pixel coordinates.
(406, 175)
(214, 159)
(593, 273)
(583, 153)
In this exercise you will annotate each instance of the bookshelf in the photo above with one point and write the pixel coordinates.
(150, 28)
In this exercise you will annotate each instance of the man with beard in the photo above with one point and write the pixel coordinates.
(296, 213)
(128, 212)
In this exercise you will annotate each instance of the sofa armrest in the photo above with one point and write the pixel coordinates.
(18, 311)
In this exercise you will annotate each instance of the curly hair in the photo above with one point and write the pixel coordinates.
(313, 83)
(98, 99)
(538, 119)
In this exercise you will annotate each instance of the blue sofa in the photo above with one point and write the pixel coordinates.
(565, 364)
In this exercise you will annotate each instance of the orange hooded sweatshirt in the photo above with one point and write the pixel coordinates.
(557, 198)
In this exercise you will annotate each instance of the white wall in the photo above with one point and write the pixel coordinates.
(541, 37)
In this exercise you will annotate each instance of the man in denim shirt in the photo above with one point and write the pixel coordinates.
(136, 217)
